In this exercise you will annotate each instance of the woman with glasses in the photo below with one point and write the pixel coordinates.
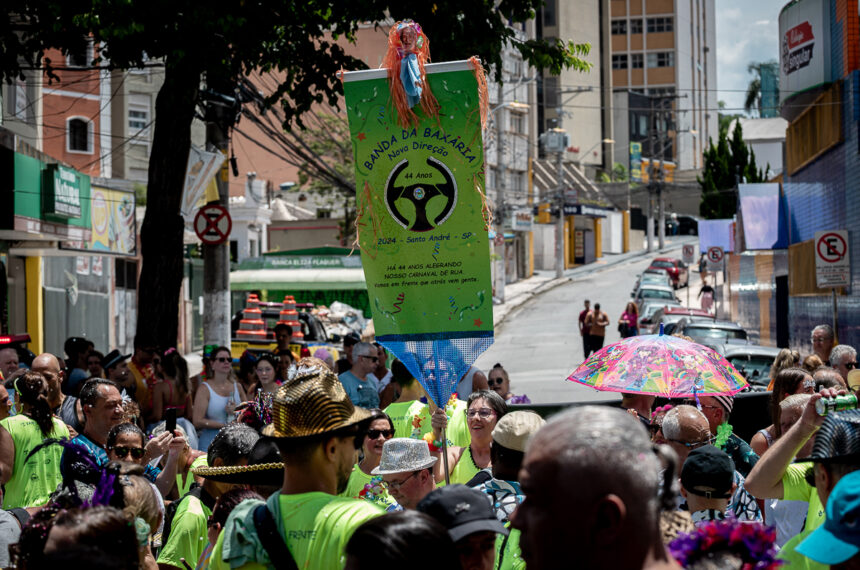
(30, 480)
(363, 485)
(126, 442)
(217, 398)
(500, 383)
(484, 409)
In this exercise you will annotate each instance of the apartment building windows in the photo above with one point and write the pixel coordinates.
(661, 59)
(619, 27)
(517, 123)
(635, 26)
(637, 61)
(666, 24)
(138, 112)
(79, 135)
(619, 61)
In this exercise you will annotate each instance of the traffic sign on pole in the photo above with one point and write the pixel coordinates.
(689, 254)
(212, 224)
(715, 257)
(832, 262)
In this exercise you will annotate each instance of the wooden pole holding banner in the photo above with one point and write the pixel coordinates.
(445, 454)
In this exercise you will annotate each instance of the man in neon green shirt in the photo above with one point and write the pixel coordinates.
(834, 454)
(186, 536)
(318, 431)
(411, 416)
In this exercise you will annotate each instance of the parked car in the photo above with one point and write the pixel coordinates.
(647, 312)
(654, 293)
(653, 277)
(686, 225)
(671, 315)
(752, 361)
(712, 333)
(676, 269)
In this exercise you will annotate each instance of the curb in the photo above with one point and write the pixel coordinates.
(551, 284)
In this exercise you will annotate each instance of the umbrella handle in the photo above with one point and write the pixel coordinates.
(445, 456)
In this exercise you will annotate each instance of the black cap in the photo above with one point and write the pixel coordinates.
(462, 510)
(113, 358)
(838, 440)
(351, 339)
(708, 472)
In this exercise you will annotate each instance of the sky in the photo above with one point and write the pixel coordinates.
(747, 31)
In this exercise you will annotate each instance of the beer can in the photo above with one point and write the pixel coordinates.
(825, 406)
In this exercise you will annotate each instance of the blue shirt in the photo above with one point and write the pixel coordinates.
(363, 393)
(97, 452)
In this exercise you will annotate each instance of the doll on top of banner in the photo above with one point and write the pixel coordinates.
(408, 52)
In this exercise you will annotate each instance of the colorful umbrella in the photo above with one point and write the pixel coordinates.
(660, 365)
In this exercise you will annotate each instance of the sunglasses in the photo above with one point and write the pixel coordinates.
(495, 381)
(850, 365)
(122, 451)
(223, 359)
(375, 433)
(484, 413)
(373, 358)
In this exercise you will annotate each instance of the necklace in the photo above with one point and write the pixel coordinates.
(472, 457)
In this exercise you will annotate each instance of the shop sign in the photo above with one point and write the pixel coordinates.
(804, 59)
(62, 196)
(522, 220)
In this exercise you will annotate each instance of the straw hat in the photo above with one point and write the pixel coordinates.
(403, 454)
(264, 467)
(312, 402)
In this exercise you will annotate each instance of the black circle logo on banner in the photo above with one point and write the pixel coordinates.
(420, 194)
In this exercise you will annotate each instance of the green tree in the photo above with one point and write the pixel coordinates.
(726, 118)
(753, 99)
(206, 48)
(727, 164)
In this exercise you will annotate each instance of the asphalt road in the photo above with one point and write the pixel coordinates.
(539, 344)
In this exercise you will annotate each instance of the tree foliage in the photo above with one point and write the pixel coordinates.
(727, 164)
(208, 47)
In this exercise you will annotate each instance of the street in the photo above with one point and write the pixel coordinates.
(539, 343)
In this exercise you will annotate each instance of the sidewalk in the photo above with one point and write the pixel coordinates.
(519, 293)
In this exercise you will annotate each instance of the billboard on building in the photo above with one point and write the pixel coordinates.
(114, 228)
(804, 57)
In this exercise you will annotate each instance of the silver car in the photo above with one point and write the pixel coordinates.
(654, 294)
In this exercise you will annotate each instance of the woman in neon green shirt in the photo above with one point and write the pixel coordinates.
(485, 408)
(363, 485)
(30, 481)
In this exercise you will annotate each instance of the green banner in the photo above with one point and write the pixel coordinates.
(422, 230)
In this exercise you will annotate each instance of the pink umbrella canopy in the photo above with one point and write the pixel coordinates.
(659, 365)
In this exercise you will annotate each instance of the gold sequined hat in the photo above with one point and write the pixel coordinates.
(311, 402)
(264, 467)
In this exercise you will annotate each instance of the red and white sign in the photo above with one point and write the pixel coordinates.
(689, 254)
(212, 224)
(715, 257)
(804, 31)
(832, 264)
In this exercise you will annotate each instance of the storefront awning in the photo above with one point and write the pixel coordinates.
(294, 279)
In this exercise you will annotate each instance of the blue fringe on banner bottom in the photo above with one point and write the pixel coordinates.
(438, 360)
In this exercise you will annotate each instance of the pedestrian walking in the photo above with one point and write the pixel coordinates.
(597, 322)
(628, 324)
(706, 294)
(583, 329)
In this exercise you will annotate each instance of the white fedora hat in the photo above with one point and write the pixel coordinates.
(403, 454)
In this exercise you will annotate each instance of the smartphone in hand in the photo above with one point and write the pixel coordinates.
(170, 420)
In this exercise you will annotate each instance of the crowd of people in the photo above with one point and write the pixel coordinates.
(124, 461)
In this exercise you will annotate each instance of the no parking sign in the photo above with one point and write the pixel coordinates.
(832, 263)
(715, 257)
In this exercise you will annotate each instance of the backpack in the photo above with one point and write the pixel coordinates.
(170, 510)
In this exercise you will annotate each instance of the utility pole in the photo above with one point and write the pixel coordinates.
(559, 228)
(220, 115)
(661, 224)
(649, 228)
(501, 169)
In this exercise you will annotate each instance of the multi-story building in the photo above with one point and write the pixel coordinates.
(665, 49)
(579, 102)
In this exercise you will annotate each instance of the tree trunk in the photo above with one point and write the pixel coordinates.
(163, 225)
